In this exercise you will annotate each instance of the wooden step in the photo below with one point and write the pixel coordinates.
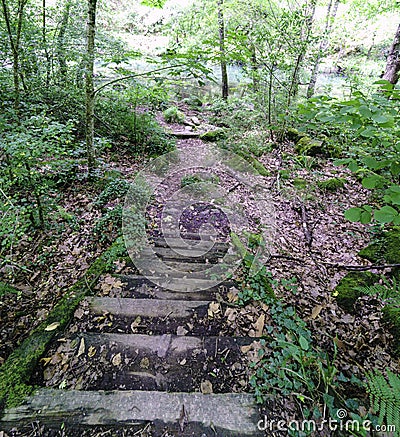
(189, 255)
(125, 307)
(190, 244)
(153, 362)
(227, 415)
(182, 285)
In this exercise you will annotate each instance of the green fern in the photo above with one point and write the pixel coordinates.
(388, 291)
(384, 393)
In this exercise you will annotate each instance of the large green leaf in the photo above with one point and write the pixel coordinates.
(386, 214)
(353, 214)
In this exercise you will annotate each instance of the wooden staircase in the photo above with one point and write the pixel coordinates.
(158, 372)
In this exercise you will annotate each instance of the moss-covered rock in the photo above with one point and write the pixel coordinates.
(311, 147)
(16, 371)
(346, 291)
(213, 135)
(332, 184)
(300, 183)
(293, 134)
(386, 249)
(391, 315)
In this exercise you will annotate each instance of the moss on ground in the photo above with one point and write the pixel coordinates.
(213, 135)
(346, 291)
(300, 183)
(391, 315)
(332, 184)
(386, 249)
(16, 371)
(311, 147)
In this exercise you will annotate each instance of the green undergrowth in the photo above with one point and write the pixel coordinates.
(16, 371)
(385, 249)
(289, 364)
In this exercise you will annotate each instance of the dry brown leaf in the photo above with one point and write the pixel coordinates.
(246, 348)
(91, 352)
(117, 359)
(145, 363)
(52, 326)
(316, 311)
(45, 360)
(213, 309)
(206, 387)
(81, 349)
(259, 325)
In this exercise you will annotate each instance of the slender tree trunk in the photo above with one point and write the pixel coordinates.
(294, 83)
(15, 45)
(221, 29)
(254, 68)
(330, 17)
(393, 61)
(44, 41)
(90, 94)
(61, 43)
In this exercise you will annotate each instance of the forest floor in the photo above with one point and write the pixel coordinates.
(308, 239)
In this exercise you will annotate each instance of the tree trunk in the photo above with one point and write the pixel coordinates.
(393, 61)
(60, 41)
(305, 39)
(44, 41)
(221, 29)
(15, 44)
(330, 17)
(90, 95)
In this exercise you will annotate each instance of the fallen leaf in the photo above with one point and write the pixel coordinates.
(206, 387)
(81, 349)
(246, 349)
(213, 309)
(117, 360)
(45, 360)
(91, 352)
(259, 325)
(52, 326)
(316, 311)
(145, 363)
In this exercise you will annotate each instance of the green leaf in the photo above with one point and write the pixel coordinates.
(353, 214)
(370, 162)
(365, 217)
(365, 111)
(386, 214)
(304, 343)
(373, 181)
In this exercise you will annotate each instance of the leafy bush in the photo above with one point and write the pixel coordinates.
(109, 226)
(368, 128)
(173, 115)
(114, 190)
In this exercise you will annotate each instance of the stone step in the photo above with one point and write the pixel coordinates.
(191, 236)
(176, 269)
(183, 243)
(189, 255)
(157, 362)
(125, 307)
(225, 415)
(155, 316)
(181, 285)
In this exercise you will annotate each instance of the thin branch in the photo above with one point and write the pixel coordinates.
(131, 76)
